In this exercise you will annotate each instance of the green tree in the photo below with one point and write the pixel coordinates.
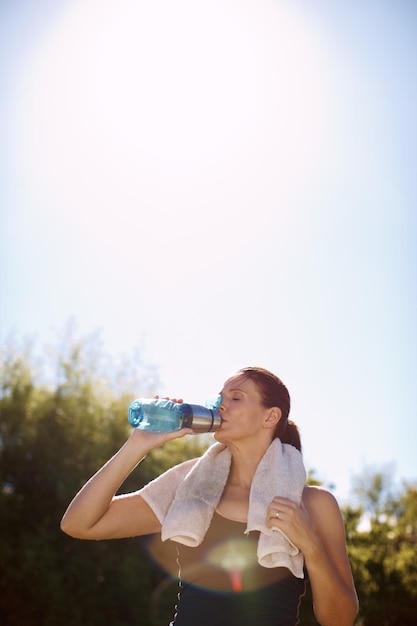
(52, 439)
(381, 534)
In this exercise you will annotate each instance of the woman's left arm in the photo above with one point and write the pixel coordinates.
(317, 529)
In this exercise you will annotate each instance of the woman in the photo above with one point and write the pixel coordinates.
(224, 580)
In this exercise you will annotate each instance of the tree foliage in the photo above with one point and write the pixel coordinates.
(382, 540)
(52, 439)
(55, 434)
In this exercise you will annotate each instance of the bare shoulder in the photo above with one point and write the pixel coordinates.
(318, 496)
(322, 507)
(327, 521)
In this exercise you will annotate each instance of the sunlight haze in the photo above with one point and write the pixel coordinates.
(223, 184)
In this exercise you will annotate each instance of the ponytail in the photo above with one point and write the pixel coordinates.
(290, 434)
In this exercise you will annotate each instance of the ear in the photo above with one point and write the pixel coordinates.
(273, 417)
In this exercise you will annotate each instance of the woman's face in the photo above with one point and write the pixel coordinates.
(241, 410)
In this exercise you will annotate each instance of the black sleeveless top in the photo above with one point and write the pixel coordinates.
(222, 583)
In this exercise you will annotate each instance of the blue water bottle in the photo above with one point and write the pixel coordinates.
(164, 416)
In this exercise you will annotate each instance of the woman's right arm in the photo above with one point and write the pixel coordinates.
(96, 513)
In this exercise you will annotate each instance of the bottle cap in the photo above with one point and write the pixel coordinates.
(204, 420)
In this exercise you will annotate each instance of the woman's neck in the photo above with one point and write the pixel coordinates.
(244, 463)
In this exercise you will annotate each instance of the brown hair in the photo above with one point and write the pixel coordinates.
(274, 393)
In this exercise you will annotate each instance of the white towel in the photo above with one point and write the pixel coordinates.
(280, 473)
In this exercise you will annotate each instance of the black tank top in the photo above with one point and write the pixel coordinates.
(222, 583)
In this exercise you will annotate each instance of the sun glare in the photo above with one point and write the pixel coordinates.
(176, 113)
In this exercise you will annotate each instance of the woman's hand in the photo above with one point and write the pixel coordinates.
(147, 440)
(153, 439)
(177, 401)
(316, 528)
(292, 519)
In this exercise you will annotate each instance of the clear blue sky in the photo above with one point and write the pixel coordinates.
(223, 183)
